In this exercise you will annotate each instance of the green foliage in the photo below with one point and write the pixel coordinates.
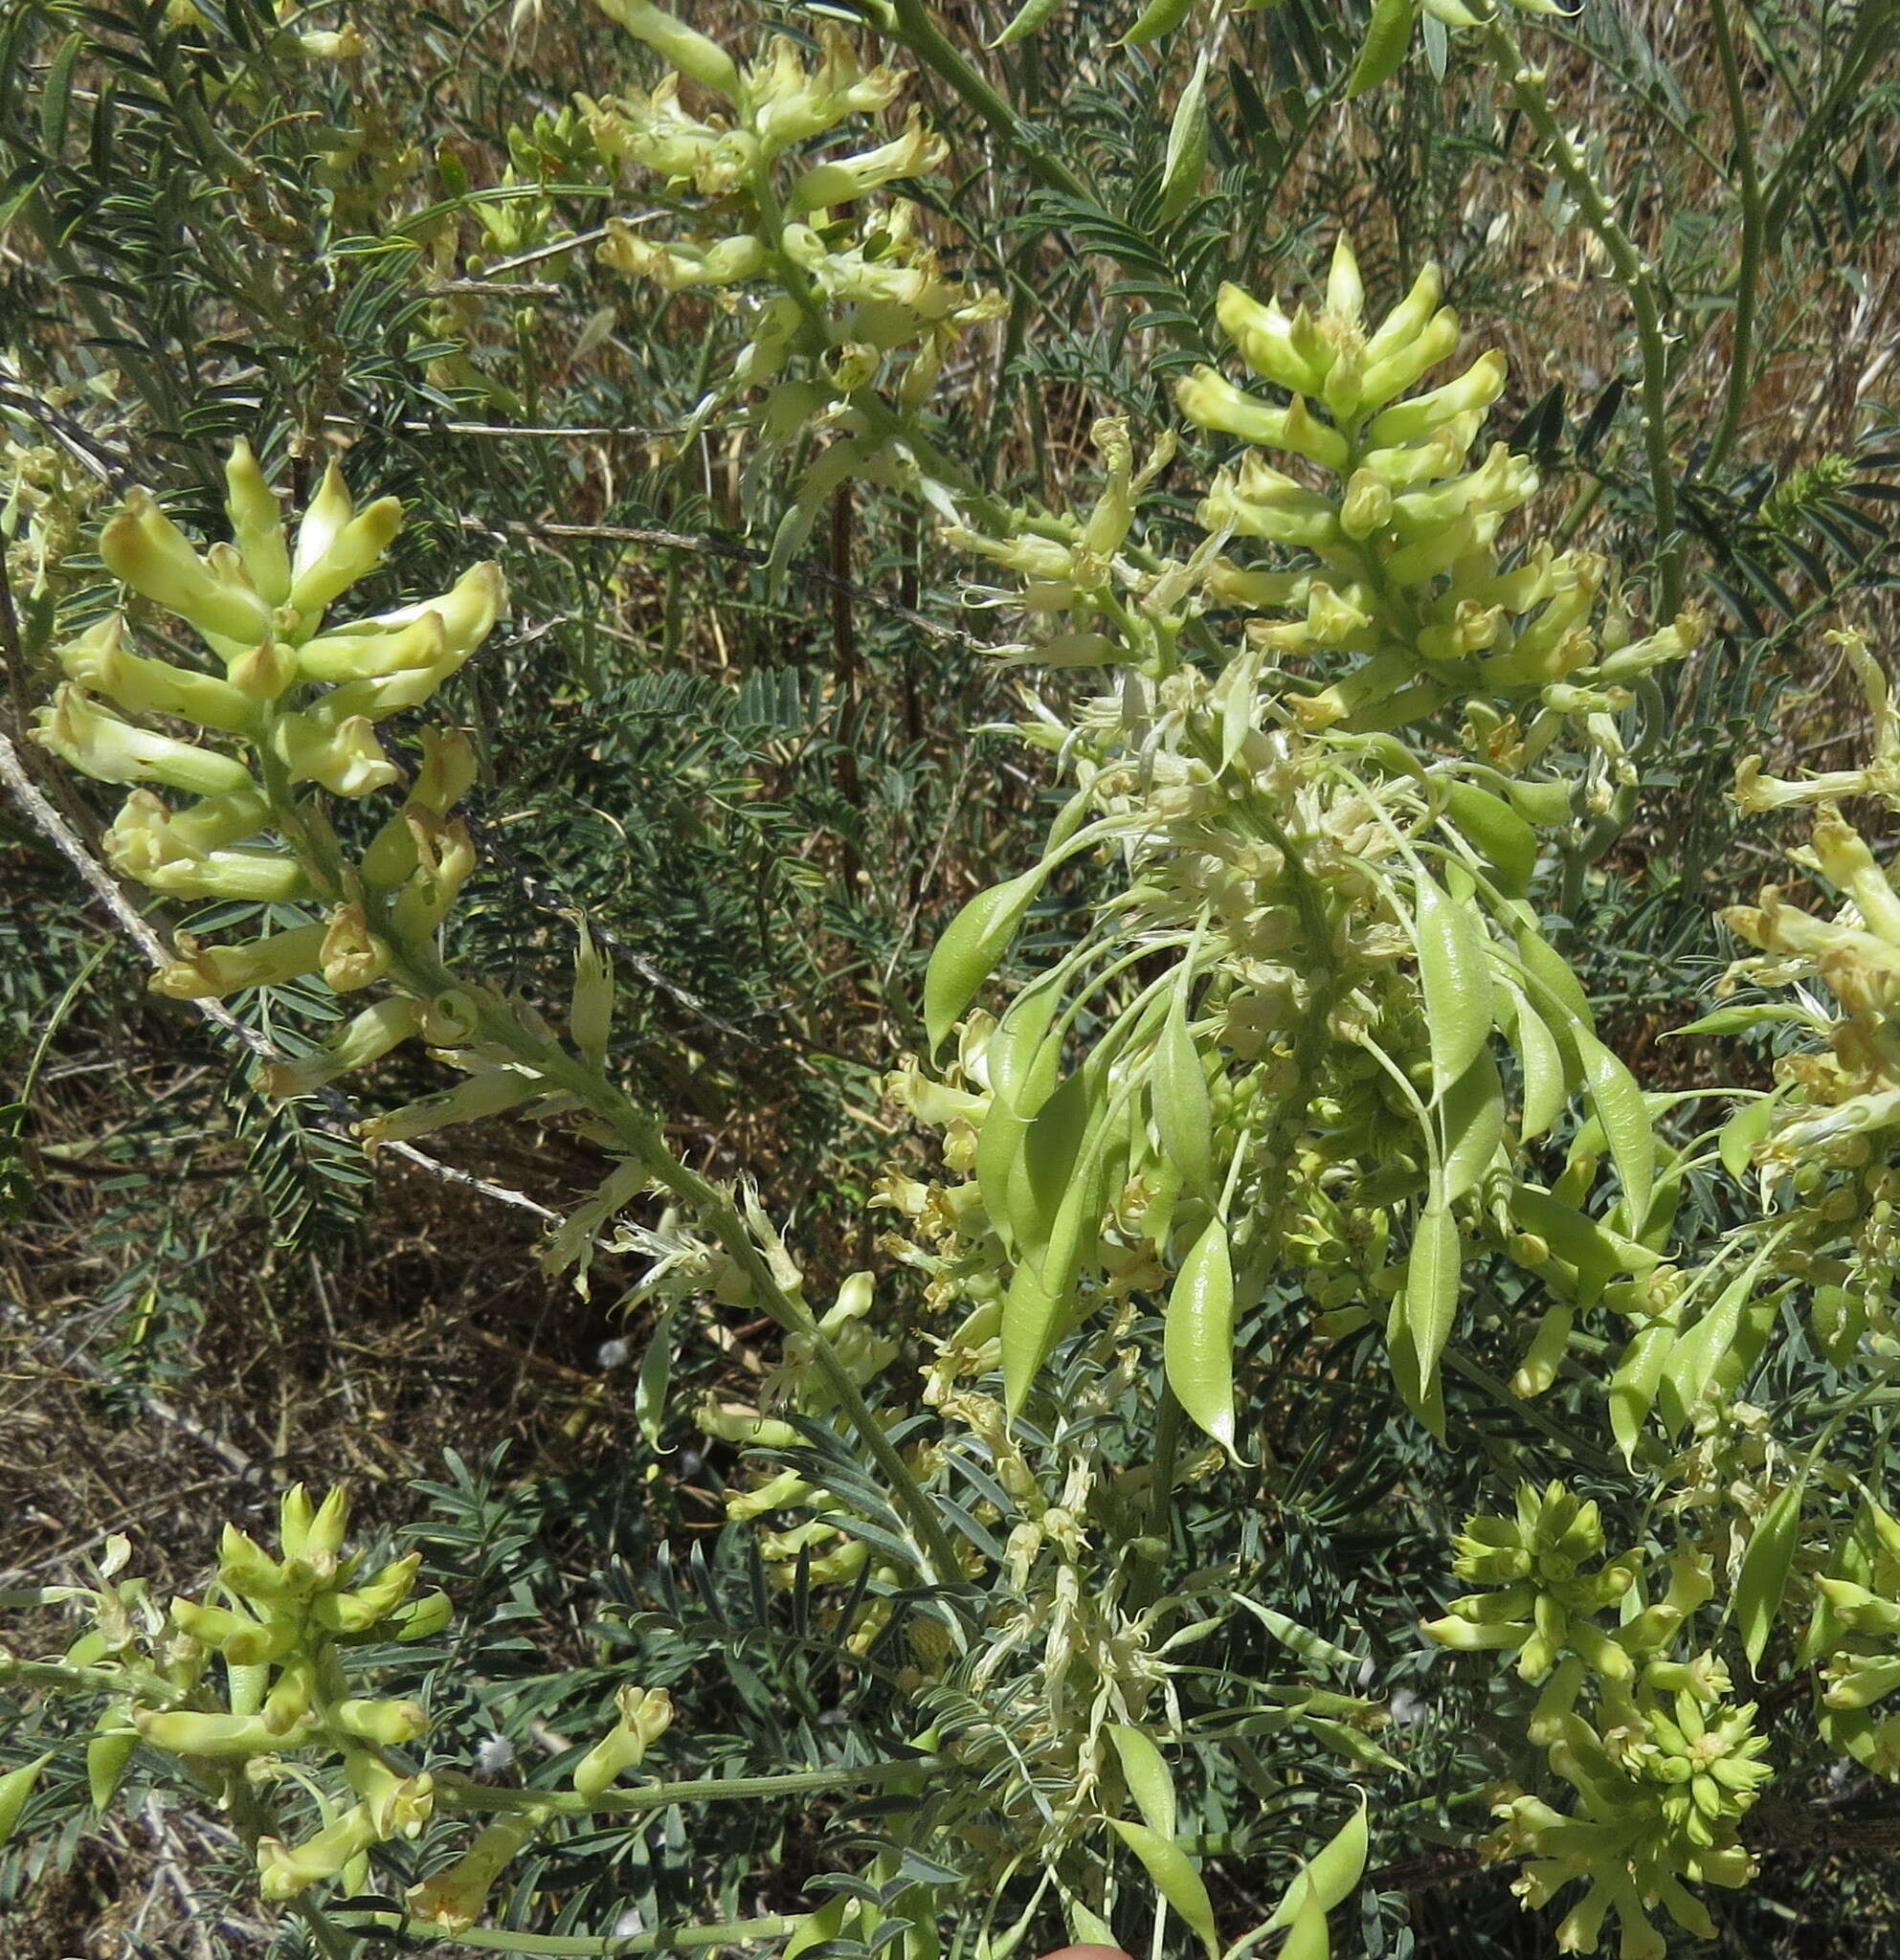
(1043, 1456)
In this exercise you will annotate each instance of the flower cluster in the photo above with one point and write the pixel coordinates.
(288, 704)
(280, 1627)
(1832, 1124)
(1664, 1771)
(1546, 1603)
(850, 314)
(1854, 1634)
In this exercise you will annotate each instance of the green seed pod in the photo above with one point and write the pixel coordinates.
(1145, 1771)
(1387, 41)
(16, 1786)
(1329, 1876)
(1197, 1349)
(1157, 18)
(107, 1755)
(1174, 1877)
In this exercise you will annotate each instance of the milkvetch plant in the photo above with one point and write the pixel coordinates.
(1273, 1077)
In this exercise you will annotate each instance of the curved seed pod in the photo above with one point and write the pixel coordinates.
(967, 954)
(1144, 1771)
(1174, 1877)
(16, 1786)
(1329, 1876)
(1028, 17)
(1157, 18)
(1387, 41)
(1308, 1939)
(1424, 1312)
(1501, 836)
(1763, 1579)
(1185, 162)
(1177, 1090)
(1198, 1338)
(107, 1755)
(1543, 1086)
(1455, 969)
(1033, 1323)
(1472, 1117)
(1619, 1107)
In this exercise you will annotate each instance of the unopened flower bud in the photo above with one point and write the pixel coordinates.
(145, 549)
(365, 1038)
(1368, 505)
(78, 731)
(202, 973)
(257, 525)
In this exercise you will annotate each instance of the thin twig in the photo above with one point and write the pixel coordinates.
(228, 1453)
(743, 554)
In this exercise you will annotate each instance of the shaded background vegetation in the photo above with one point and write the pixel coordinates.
(767, 793)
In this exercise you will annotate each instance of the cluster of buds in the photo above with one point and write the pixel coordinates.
(1663, 1769)
(295, 711)
(1552, 1581)
(851, 315)
(1832, 1126)
(280, 1627)
(1854, 1634)
(1070, 569)
(44, 498)
(453, 1899)
(1407, 581)
(826, 1551)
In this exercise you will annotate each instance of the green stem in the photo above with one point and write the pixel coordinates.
(425, 976)
(1747, 274)
(453, 1793)
(684, 1939)
(1636, 278)
(1500, 1394)
(1145, 1585)
(910, 21)
(1872, 37)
